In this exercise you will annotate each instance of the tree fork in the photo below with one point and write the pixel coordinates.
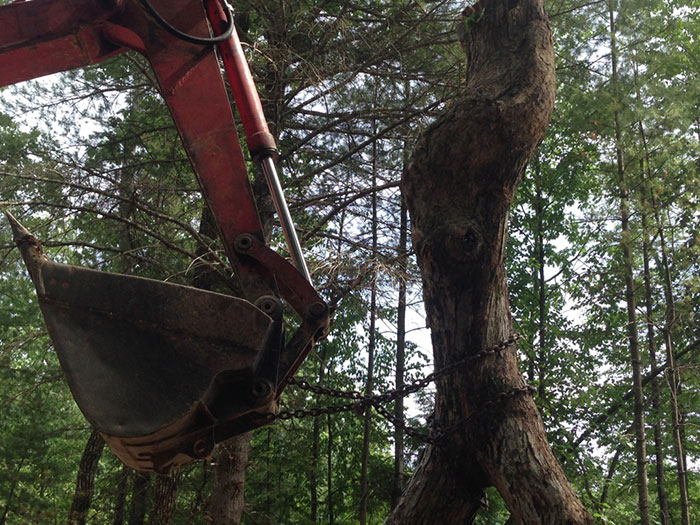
(458, 187)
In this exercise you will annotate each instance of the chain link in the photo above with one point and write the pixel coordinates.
(361, 402)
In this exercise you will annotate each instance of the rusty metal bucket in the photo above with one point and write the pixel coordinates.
(154, 366)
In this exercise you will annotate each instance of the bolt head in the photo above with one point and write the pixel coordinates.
(269, 305)
(261, 389)
(243, 242)
(200, 447)
(318, 309)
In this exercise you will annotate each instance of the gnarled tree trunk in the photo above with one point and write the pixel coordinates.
(458, 186)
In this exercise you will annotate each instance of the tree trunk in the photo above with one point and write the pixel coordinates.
(11, 495)
(164, 498)
(655, 390)
(329, 472)
(198, 505)
(231, 459)
(651, 332)
(397, 481)
(674, 383)
(608, 478)
(120, 504)
(632, 335)
(316, 444)
(226, 506)
(458, 188)
(85, 482)
(541, 289)
(673, 375)
(139, 498)
(369, 385)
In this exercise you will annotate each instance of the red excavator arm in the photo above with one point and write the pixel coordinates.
(165, 371)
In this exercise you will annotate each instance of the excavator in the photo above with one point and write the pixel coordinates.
(165, 371)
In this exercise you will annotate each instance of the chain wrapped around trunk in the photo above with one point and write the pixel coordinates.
(359, 401)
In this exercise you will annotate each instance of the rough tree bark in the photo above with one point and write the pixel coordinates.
(316, 444)
(329, 470)
(659, 470)
(371, 347)
(226, 506)
(397, 479)
(164, 499)
(458, 187)
(630, 299)
(85, 482)
(120, 503)
(139, 498)
(674, 379)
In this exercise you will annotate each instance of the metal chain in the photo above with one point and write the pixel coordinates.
(412, 387)
(431, 438)
(436, 434)
(361, 402)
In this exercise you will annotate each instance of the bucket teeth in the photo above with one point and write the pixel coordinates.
(31, 250)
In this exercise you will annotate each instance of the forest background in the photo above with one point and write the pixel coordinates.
(91, 163)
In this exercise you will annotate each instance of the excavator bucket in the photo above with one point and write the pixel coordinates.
(154, 366)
